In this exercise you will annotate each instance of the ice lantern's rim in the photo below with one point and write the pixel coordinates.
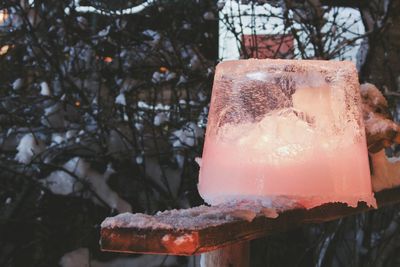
(254, 63)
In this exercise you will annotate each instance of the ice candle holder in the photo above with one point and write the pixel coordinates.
(288, 129)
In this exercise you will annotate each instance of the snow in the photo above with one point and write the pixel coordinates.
(120, 99)
(372, 96)
(70, 134)
(221, 4)
(188, 135)
(182, 79)
(161, 118)
(139, 159)
(155, 36)
(137, 220)
(81, 258)
(82, 22)
(91, 9)
(182, 102)
(160, 77)
(76, 258)
(62, 183)
(180, 159)
(57, 138)
(198, 161)
(377, 124)
(170, 76)
(44, 89)
(28, 147)
(201, 216)
(104, 32)
(143, 105)
(17, 84)
(121, 23)
(54, 116)
(195, 63)
(76, 170)
(202, 97)
(139, 126)
(157, 107)
(157, 77)
(202, 119)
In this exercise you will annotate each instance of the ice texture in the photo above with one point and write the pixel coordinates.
(289, 129)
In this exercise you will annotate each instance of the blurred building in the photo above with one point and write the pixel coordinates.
(269, 30)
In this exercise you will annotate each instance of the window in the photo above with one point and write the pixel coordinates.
(268, 46)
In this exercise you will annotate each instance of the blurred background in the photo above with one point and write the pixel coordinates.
(104, 104)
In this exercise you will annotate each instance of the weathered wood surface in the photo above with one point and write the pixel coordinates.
(236, 255)
(216, 234)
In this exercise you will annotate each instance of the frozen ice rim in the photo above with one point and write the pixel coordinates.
(285, 129)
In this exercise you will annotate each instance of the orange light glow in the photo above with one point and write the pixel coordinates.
(77, 103)
(4, 49)
(108, 59)
(163, 69)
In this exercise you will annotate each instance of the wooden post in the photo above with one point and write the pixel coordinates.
(235, 255)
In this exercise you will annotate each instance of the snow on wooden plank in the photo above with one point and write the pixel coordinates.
(202, 229)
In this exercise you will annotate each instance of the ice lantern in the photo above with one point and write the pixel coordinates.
(286, 128)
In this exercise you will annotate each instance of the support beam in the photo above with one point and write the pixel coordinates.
(167, 233)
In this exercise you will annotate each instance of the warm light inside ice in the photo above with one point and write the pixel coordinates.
(285, 128)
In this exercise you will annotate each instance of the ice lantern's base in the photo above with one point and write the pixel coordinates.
(285, 130)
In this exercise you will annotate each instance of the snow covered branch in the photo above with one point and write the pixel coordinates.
(126, 11)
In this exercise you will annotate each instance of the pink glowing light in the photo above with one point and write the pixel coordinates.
(286, 128)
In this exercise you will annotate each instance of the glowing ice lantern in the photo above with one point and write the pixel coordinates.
(286, 128)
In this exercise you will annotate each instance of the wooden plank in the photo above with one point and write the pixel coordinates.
(199, 237)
